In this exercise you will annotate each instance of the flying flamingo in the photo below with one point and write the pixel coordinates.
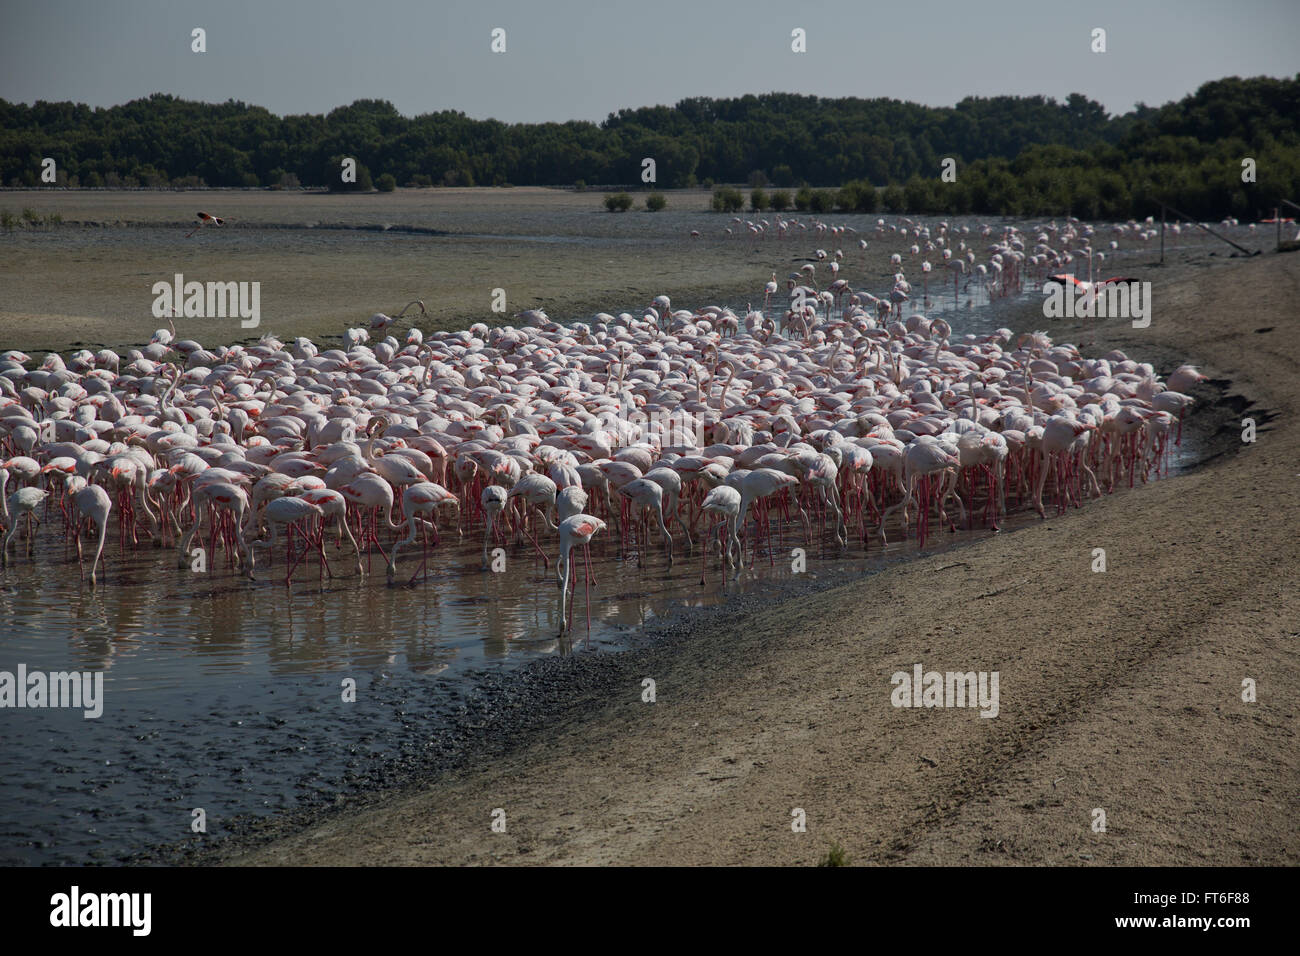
(1089, 290)
(205, 220)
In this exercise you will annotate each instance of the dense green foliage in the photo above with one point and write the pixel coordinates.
(727, 199)
(655, 202)
(618, 202)
(1013, 154)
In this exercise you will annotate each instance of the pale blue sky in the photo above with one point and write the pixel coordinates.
(568, 59)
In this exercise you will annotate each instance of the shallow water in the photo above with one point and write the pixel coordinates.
(227, 696)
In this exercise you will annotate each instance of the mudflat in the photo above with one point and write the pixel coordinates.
(326, 263)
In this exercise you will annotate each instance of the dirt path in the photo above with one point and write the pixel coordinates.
(1118, 690)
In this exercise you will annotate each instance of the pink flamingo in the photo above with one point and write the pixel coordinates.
(92, 502)
(578, 529)
(420, 503)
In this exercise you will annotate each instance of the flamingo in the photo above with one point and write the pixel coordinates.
(921, 461)
(379, 321)
(1089, 290)
(420, 502)
(371, 494)
(757, 484)
(723, 501)
(493, 501)
(289, 512)
(333, 505)
(570, 501)
(563, 415)
(577, 529)
(92, 502)
(219, 496)
(1063, 442)
(205, 220)
(19, 505)
(1185, 377)
(538, 492)
(646, 495)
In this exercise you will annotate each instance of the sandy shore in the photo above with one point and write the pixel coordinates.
(1119, 690)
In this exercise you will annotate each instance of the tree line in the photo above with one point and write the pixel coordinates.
(1012, 155)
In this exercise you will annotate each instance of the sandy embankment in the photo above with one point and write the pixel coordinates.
(1119, 691)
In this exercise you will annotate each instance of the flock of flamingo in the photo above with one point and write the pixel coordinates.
(833, 417)
(1013, 258)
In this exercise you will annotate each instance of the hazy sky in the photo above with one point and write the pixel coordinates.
(567, 59)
